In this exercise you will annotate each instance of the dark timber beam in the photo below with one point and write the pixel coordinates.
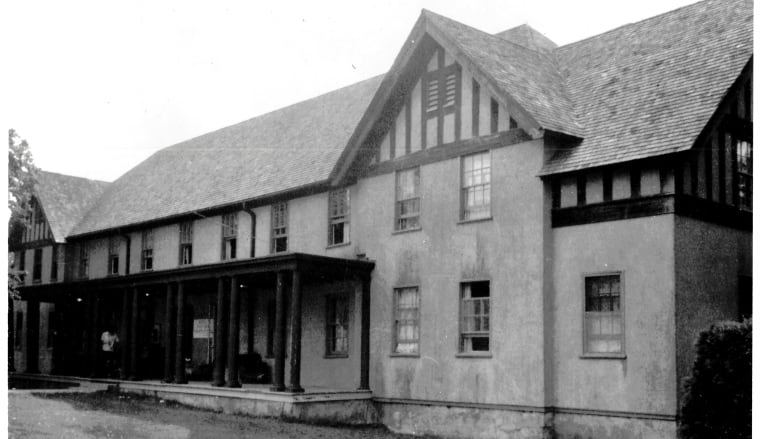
(233, 334)
(179, 376)
(218, 379)
(278, 373)
(365, 331)
(169, 331)
(295, 333)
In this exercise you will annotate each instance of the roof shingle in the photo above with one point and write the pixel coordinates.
(65, 200)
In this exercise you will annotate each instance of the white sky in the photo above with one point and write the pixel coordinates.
(97, 87)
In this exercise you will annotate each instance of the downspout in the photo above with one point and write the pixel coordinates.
(254, 227)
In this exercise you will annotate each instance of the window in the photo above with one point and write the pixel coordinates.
(475, 317)
(185, 243)
(83, 260)
(745, 174)
(406, 331)
(113, 256)
(475, 186)
(337, 326)
(55, 261)
(279, 228)
(37, 263)
(407, 199)
(229, 236)
(603, 315)
(147, 250)
(338, 217)
(18, 332)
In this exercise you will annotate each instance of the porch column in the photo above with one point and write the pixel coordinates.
(124, 338)
(95, 344)
(365, 331)
(278, 375)
(295, 333)
(134, 330)
(33, 322)
(168, 333)
(221, 329)
(233, 333)
(179, 375)
(11, 336)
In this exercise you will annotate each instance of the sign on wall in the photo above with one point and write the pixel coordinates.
(203, 328)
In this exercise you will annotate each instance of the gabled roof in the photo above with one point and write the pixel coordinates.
(649, 88)
(65, 199)
(287, 148)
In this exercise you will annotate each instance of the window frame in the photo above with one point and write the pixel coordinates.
(147, 250)
(395, 340)
(461, 351)
(584, 284)
(336, 298)
(83, 267)
(344, 218)
(37, 272)
(113, 255)
(275, 227)
(229, 225)
(185, 242)
(462, 188)
(397, 217)
(744, 203)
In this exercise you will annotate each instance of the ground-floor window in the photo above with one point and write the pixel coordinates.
(475, 317)
(337, 326)
(603, 318)
(406, 332)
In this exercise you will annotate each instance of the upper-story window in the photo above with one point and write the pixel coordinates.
(83, 260)
(185, 243)
(475, 186)
(147, 250)
(338, 217)
(745, 174)
(229, 236)
(37, 264)
(279, 230)
(113, 255)
(407, 199)
(604, 319)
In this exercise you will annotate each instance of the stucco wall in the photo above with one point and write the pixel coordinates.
(507, 250)
(642, 249)
(710, 258)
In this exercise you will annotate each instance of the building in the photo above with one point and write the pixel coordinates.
(497, 238)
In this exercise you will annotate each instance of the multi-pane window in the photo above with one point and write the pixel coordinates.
(83, 260)
(229, 235)
(279, 227)
(338, 217)
(475, 186)
(475, 317)
(745, 174)
(185, 243)
(37, 264)
(337, 325)
(407, 199)
(147, 250)
(603, 315)
(406, 333)
(113, 255)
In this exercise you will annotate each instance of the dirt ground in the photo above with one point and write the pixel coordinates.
(111, 415)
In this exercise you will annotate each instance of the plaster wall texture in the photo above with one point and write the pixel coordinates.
(577, 426)
(709, 260)
(643, 251)
(505, 250)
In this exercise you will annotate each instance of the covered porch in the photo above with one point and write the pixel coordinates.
(209, 325)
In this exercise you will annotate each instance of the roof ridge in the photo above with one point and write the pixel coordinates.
(479, 30)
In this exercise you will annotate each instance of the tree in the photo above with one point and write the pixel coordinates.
(22, 176)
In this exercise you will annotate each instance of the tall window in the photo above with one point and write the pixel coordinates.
(475, 186)
(603, 315)
(55, 261)
(147, 250)
(407, 199)
(279, 227)
(406, 333)
(185, 243)
(338, 217)
(337, 326)
(475, 317)
(745, 174)
(37, 264)
(83, 260)
(113, 255)
(229, 235)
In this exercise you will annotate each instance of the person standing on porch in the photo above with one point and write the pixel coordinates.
(109, 340)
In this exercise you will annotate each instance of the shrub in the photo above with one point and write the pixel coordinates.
(718, 393)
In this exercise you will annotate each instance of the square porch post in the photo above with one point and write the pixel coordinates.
(94, 343)
(134, 336)
(365, 331)
(218, 378)
(33, 321)
(233, 335)
(295, 333)
(179, 375)
(279, 343)
(124, 344)
(168, 333)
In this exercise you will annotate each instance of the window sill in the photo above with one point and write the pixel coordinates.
(335, 356)
(604, 356)
(397, 355)
(473, 355)
(343, 244)
(400, 232)
(477, 220)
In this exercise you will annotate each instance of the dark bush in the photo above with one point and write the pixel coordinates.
(718, 393)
